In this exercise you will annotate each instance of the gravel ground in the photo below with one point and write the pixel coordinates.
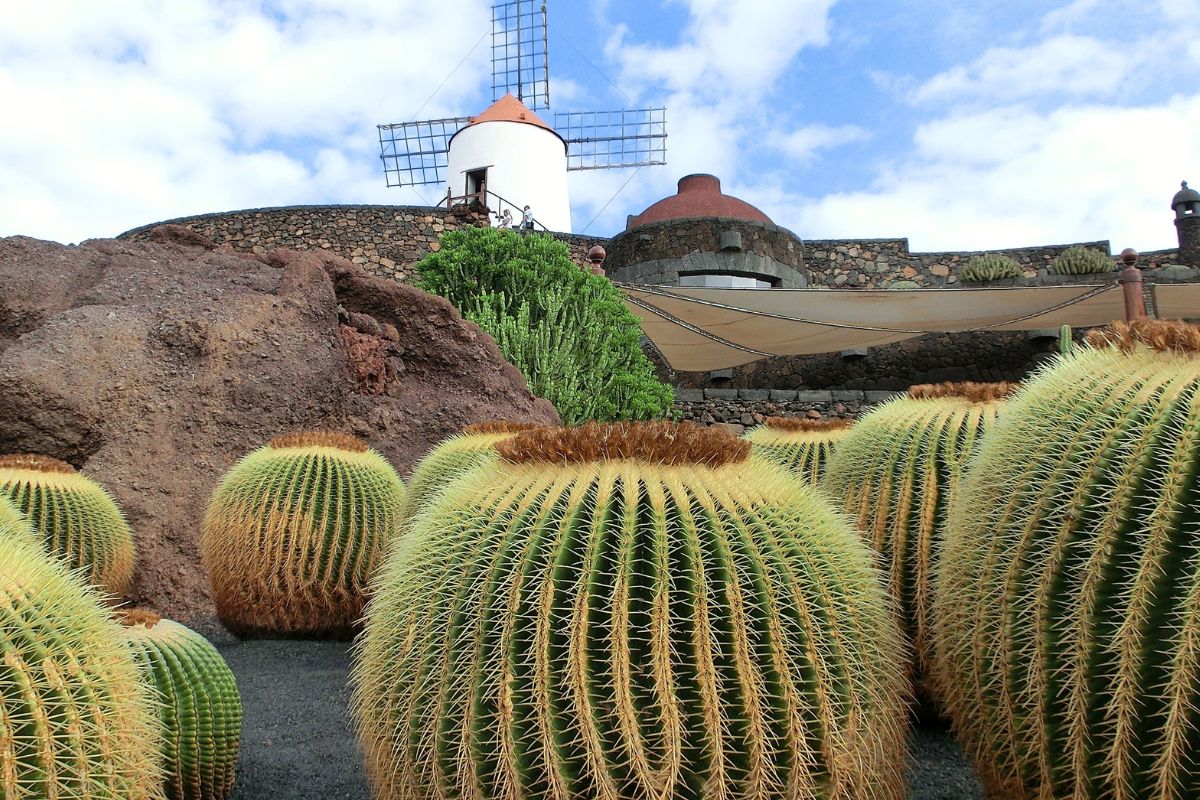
(298, 743)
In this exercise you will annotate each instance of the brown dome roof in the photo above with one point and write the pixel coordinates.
(699, 196)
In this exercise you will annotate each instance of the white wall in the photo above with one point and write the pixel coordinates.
(526, 164)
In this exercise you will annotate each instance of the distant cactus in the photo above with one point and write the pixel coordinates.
(989, 267)
(77, 519)
(629, 610)
(802, 446)
(894, 474)
(75, 721)
(200, 711)
(1068, 610)
(294, 531)
(452, 458)
(1081, 261)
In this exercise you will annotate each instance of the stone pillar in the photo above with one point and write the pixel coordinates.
(1186, 204)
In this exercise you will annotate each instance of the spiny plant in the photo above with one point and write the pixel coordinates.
(200, 710)
(293, 532)
(75, 721)
(77, 519)
(630, 610)
(1068, 607)
(454, 457)
(894, 474)
(13, 522)
(802, 446)
(989, 267)
(1081, 261)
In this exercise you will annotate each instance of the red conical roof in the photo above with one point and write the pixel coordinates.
(699, 196)
(509, 109)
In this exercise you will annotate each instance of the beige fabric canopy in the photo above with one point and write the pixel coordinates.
(704, 329)
(1177, 300)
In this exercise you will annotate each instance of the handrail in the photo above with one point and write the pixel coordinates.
(481, 198)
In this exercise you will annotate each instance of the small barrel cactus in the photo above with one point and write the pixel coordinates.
(989, 267)
(1081, 261)
(1068, 607)
(453, 457)
(77, 519)
(199, 712)
(802, 446)
(630, 610)
(293, 532)
(895, 473)
(75, 721)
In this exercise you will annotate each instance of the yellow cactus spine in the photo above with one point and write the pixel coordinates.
(802, 446)
(75, 720)
(293, 532)
(1068, 609)
(13, 522)
(200, 711)
(78, 520)
(895, 473)
(630, 610)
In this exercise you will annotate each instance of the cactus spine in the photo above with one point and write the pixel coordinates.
(294, 531)
(802, 446)
(200, 711)
(75, 721)
(1068, 613)
(13, 523)
(895, 474)
(630, 611)
(78, 520)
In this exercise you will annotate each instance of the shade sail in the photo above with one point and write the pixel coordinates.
(729, 327)
(1177, 300)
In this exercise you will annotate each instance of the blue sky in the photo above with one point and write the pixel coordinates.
(961, 126)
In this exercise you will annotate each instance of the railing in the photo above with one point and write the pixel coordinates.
(481, 197)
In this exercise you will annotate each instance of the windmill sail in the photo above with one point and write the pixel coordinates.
(414, 153)
(614, 139)
(520, 57)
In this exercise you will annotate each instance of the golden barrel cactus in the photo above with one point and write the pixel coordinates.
(75, 720)
(895, 473)
(803, 446)
(77, 519)
(293, 532)
(1068, 607)
(13, 522)
(200, 710)
(630, 610)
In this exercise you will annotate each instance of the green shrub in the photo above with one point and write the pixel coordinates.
(1081, 261)
(568, 331)
(989, 267)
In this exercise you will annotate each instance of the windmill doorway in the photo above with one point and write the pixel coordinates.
(477, 184)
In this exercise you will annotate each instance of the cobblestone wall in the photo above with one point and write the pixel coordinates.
(678, 238)
(740, 409)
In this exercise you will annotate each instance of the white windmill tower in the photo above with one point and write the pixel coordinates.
(508, 157)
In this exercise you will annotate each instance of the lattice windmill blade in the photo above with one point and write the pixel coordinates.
(415, 153)
(614, 139)
(520, 57)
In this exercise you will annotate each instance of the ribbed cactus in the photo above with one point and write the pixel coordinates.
(1081, 261)
(895, 473)
(78, 520)
(989, 267)
(630, 610)
(1068, 607)
(75, 721)
(452, 458)
(13, 522)
(294, 531)
(200, 711)
(802, 446)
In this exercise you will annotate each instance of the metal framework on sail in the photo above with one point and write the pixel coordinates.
(520, 57)
(613, 139)
(415, 153)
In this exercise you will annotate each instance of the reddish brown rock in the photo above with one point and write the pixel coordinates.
(154, 366)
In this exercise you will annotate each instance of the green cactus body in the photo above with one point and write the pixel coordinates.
(1068, 608)
(78, 520)
(802, 446)
(1081, 261)
(452, 458)
(13, 522)
(630, 611)
(75, 721)
(200, 711)
(293, 532)
(990, 267)
(895, 473)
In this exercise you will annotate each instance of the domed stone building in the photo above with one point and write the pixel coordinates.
(703, 237)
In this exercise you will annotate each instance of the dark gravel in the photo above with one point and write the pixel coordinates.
(298, 743)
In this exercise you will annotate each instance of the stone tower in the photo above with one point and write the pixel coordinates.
(1187, 222)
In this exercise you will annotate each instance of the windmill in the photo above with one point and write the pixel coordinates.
(508, 157)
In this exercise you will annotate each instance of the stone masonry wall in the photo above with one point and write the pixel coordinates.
(678, 238)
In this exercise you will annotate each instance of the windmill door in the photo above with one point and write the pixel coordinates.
(477, 184)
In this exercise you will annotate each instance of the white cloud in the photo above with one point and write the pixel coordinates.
(803, 144)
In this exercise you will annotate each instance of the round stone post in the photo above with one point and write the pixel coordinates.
(1131, 284)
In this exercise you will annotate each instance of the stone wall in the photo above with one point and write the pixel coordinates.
(744, 408)
(678, 238)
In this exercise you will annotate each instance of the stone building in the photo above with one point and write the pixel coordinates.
(1186, 204)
